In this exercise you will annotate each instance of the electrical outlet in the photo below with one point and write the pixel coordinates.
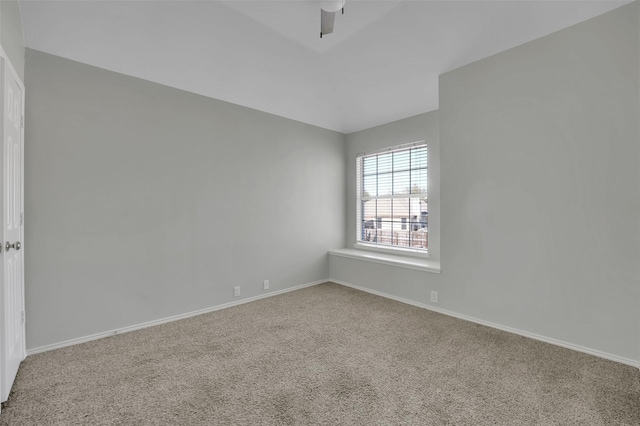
(434, 296)
(236, 291)
(265, 284)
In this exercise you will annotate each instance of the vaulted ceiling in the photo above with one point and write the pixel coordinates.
(381, 63)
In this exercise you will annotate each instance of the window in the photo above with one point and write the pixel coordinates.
(392, 198)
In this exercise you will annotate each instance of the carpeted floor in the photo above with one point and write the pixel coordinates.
(325, 355)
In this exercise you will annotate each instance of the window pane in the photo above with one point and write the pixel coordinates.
(414, 217)
(419, 158)
(385, 162)
(401, 231)
(401, 184)
(384, 210)
(419, 181)
(370, 185)
(424, 214)
(401, 209)
(384, 184)
(368, 225)
(401, 160)
(394, 217)
(369, 233)
(384, 221)
(369, 165)
(369, 211)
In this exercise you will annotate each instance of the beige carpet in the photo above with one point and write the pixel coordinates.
(325, 355)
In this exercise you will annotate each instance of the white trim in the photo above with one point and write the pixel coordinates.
(394, 196)
(418, 263)
(178, 317)
(15, 73)
(422, 142)
(361, 198)
(394, 250)
(556, 342)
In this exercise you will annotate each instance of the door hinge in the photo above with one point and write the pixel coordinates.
(21, 219)
(21, 317)
(22, 122)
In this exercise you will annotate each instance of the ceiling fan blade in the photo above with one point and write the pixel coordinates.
(326, 22)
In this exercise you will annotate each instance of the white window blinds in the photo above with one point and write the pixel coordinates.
(392, 197)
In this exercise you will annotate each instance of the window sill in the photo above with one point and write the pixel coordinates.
(396, 251)
(420, 264)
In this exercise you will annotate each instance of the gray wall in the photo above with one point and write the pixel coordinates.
(144, 201)
(540, 190)
(11, 34)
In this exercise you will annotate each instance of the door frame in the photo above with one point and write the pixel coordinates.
(7, 67)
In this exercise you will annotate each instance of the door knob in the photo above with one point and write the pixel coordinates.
(15, 245)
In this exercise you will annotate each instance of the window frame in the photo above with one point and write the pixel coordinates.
(360, 173)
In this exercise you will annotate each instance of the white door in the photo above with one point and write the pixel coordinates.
(12, 330)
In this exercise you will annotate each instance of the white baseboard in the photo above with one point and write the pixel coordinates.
(127, 329)
(600, 354)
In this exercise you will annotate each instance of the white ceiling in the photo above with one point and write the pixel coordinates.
(381, 63)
